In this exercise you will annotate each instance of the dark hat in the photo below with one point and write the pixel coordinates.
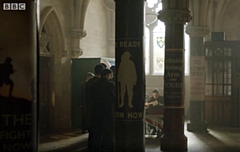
(104, 72)
(113, 67)
(98, 68)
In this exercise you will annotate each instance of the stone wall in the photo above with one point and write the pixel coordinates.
(96, 41)
(94, 44)
(230, 22)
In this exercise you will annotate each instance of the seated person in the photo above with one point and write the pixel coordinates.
(156, 99)
(154, 121)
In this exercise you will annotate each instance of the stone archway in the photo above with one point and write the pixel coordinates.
(52, 49)
(51, 31)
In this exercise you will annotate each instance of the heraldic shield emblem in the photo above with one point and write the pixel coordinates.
(161, 41)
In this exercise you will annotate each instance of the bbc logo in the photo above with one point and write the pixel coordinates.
(14, 6)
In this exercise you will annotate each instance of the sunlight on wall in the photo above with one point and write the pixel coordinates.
(155, 42)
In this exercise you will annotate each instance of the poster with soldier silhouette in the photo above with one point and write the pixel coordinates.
(130, 80)
(18, 68)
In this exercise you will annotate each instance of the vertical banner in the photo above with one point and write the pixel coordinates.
(197, 78)
(18, 68)
(173, 78)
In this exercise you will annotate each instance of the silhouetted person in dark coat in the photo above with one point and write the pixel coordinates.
(103, 124)
(113, 68)
(89, 103)
(83, 107)
(6, 69)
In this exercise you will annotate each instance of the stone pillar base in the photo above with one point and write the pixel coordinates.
(197, 127)
(174, 143)
(130, 136)
(173, 138)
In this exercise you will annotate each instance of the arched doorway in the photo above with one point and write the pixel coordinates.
(52, 45)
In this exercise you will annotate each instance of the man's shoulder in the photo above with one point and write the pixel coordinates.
(105, 81)
(113, 83)
(160, 97)
(94, 79)
(91, 81)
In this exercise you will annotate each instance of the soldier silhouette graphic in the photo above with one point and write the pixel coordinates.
(6, 69)
(127, 77)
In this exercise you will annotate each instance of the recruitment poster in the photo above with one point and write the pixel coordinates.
(18, 61)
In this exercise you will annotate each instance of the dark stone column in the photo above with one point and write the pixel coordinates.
(175, 14)
(18, 77)
(130, 73)
(197, 78)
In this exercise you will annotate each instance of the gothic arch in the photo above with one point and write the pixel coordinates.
(51, 34)
(52, 47)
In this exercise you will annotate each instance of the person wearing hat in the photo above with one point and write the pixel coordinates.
(103, 124)
(83, 107)
(89, 102)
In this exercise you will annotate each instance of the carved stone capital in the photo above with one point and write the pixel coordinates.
(76, 53)
(78, 33)
(175, 16)
(197, 31)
